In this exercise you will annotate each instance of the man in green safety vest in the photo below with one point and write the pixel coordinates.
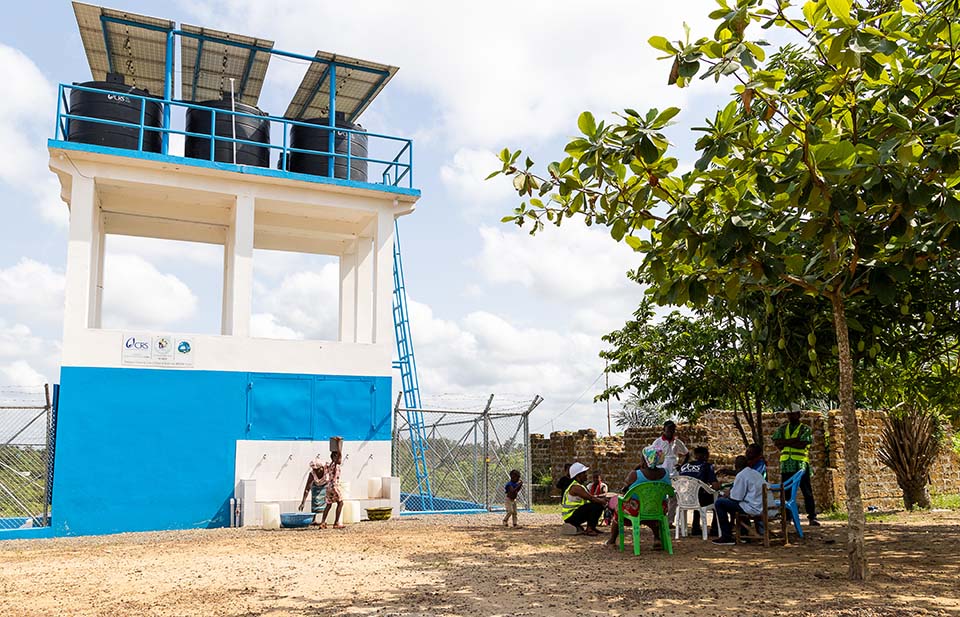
(793, 439)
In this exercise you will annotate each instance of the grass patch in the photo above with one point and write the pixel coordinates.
(837, 514)
(546, 508)
(946, 502)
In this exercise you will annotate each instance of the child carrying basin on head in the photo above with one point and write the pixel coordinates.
(334, 496)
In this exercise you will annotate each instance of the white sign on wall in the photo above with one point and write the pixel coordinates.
(156, 350)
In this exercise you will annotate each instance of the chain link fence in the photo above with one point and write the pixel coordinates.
(27, 426)
(468, 453)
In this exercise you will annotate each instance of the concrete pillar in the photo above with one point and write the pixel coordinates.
(99, 252)
(348, 295)
(366, 297)
(238, 270)
(82, 257)
(383, 278)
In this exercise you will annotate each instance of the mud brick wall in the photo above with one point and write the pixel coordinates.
(617, 456)
(878, 484)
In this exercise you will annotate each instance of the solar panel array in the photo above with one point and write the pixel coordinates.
(138, 48)
(139, 53)
(207, 65)
(356, 87)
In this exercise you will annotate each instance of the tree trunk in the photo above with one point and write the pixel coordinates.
(915, 493)
(856, 520)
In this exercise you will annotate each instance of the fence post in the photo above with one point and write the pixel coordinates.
(486, 460)
(48, 484)
(394, 463)
(527, 455)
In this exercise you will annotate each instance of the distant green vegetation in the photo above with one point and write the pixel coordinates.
(23, 473)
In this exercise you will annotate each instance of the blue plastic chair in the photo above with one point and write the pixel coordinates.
(791, 487)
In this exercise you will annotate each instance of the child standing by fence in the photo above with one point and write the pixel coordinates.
(512, 490)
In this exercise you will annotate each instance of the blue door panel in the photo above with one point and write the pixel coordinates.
(280, 407)
(343, 406)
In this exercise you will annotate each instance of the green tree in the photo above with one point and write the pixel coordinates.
(832, 173)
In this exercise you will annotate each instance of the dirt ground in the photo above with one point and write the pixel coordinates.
(468, 565)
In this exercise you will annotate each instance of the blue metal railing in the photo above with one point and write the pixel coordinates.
(394, 170)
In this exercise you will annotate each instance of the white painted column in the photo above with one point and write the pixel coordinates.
(383, 278)
(366, 295)
(80, 291)
(348, 295)
(238, 269)
(99, 252)
(226, 310)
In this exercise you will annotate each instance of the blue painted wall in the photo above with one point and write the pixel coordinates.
(152, 449)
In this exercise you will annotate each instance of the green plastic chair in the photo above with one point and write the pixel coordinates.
(650, 495)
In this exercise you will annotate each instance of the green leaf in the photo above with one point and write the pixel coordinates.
(633, 242)
(665, 116)
(909, 7)
(587, 124)
(648, 151)
(841, 10)
(662, 44)
(618, 230)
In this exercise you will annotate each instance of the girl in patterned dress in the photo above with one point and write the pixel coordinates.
(332, 477)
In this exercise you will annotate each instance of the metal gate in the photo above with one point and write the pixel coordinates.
(27, 433)
(469, 455)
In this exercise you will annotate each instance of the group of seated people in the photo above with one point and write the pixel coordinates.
(583, 505)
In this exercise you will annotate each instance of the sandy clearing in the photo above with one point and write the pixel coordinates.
(468, 565)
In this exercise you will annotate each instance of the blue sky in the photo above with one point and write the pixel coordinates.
(493, 310)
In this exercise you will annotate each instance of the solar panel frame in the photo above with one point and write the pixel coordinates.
(137, 49)
(208, 63)
(358, 83)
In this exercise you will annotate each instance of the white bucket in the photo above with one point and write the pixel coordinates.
(270, 516)
(374, 488)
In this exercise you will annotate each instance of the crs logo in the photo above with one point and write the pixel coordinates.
(183, 347)
(133, 343)
(119, 98)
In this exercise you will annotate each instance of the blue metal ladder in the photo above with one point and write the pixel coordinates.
(408, 377)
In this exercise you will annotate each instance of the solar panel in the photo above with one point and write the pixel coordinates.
(127, 43)
(209, 63)
(358, 83)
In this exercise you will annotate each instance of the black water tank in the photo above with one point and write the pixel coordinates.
(114, 105)
(250, 129)
(309, 138)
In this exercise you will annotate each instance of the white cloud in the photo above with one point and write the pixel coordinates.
(465, 176)
(570, 263)
(303, 305)
(495, 71)
(265, 325)
(33, 290)
(136, 294)
(20, 373)
(17, 341)
(167, 251)
(484, 353)
(24, 126)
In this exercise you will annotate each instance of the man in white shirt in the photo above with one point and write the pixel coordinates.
(746, 496)
(675, 452)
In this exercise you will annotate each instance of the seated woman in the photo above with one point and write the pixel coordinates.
(578, 506)
(650, 470)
